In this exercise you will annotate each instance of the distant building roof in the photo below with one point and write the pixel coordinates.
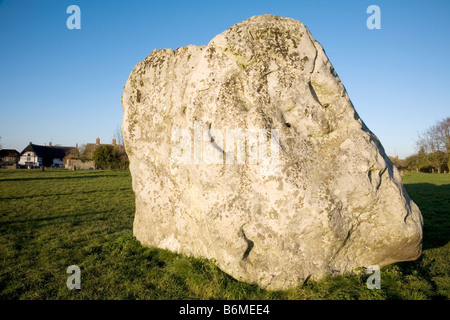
(9, 153)
(90, 147)
(48, 153)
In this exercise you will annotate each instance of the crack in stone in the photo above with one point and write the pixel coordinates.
(250, 244)
(315, 57)
(213, 142)
(313, 92)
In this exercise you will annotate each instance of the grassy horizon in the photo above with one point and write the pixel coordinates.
(53, 219)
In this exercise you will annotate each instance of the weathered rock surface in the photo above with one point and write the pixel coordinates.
(328, 200)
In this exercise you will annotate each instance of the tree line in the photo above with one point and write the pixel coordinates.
(433, 150)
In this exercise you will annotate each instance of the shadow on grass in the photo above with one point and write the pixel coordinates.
(68, 193)
(54, 218)
(65, 177)
(18, 225)
(434, 203)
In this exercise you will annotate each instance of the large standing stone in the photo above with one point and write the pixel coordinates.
(324, 199)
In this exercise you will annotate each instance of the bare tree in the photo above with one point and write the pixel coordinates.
(82, 151)
(435, 144)
(0, 143)
(118, 135)
(441, 132)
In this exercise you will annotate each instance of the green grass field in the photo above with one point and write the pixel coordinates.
(53, 219)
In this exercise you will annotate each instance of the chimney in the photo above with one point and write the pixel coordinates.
(97, 141)
(114, 142)
(50, 144)
(76, 146)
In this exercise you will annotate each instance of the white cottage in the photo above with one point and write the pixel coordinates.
(34, 156)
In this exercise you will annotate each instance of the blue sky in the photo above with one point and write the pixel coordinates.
(65, 86)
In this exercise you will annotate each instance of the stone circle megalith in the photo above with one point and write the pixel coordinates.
(249, 151)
